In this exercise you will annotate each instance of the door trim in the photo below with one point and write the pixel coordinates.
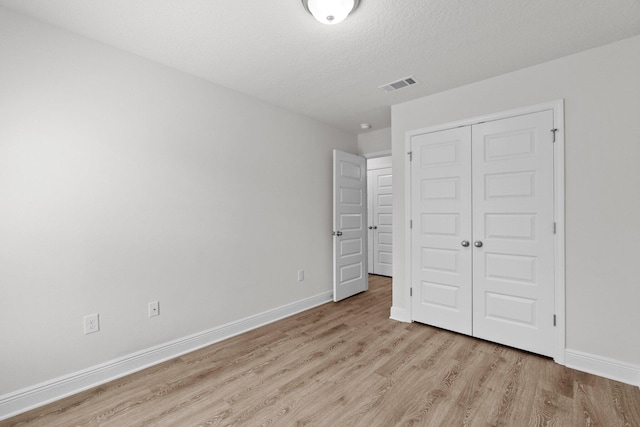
(557, 107)
(376, 154)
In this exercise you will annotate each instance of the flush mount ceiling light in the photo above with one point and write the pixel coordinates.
(330, 12)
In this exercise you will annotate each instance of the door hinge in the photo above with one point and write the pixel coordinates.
(554, 320)
(554, 134)
(555, 228)
(410, 292)
(410, 153)
(411, 223)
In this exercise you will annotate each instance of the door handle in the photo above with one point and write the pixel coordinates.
(477, 243)
(375, 227)
(465, 243)
(370, 227)
(337, 233)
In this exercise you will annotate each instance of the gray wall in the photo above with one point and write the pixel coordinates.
(374, 142)
(122, 182)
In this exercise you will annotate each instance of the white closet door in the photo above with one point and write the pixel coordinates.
(490, 185)
(441, 212)
(382, 232)
(513, 270)
(370, 216)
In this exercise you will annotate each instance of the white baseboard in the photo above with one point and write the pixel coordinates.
(400, 314)
(40, 394)
(603, 366)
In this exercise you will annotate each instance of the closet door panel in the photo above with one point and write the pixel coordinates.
(513, 270)
(370, 222)
(441, 212)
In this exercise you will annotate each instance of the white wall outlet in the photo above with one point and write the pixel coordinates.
(154, 309)
(300, 275)
(91, 323)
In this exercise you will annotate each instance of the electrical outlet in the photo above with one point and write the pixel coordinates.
(154, 309)
(300, 275)
(91, 324)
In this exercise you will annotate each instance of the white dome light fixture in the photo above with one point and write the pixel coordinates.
(330, 12)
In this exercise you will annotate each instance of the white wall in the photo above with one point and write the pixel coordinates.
(122, 182)
(374, 142)
(601, 88)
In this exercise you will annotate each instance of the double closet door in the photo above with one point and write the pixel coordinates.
(482, 239)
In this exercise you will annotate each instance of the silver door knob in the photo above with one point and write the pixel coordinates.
(477, 244)
(464, 243)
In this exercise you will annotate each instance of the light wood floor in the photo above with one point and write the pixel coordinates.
(347, 364)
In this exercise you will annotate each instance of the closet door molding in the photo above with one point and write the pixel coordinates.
(557, 110)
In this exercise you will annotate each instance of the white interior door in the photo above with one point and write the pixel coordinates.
(513, 203)
(482, 241)
(349, 225)
(441, 212)
(381, 223)
(370, 221)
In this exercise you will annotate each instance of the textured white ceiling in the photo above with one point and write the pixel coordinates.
(274, 50)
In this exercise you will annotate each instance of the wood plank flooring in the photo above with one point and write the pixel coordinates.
(348, 364)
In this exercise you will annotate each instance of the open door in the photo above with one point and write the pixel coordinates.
(349, 225)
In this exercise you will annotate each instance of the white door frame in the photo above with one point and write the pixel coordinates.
(558, 170)
(376, 154)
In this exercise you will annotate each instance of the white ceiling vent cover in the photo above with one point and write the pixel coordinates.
(398, 84)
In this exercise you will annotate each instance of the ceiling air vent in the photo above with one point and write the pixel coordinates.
(398, 84)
